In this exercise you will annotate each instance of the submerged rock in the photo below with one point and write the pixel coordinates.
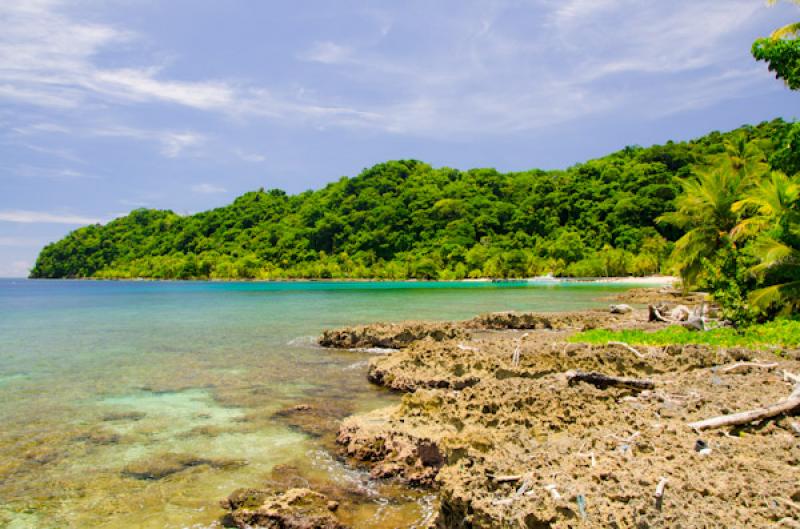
(163, 465)
(299, 508)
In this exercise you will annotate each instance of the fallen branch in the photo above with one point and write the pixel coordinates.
(741, 365)
(604, 381)
(629, 348)
(787, 405)
(517, 350)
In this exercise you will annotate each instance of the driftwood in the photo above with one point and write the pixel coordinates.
(696, 320)
(787, 405)
(629, 348)
(621, 308)
(604, 381)
(742, 365)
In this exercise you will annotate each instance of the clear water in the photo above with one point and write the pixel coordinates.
(98, 378)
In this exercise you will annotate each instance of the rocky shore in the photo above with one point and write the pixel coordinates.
(515, 424)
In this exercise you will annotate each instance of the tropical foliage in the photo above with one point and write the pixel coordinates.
(406, 219)
(781, 51)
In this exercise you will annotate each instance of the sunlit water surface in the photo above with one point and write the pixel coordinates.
(98, 379)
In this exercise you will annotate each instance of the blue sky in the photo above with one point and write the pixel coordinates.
(110, 105)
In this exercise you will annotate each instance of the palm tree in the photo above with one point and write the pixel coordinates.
(704, 210)
(774, 205)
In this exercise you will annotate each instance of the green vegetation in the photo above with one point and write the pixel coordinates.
(405, 219)
(777, 333)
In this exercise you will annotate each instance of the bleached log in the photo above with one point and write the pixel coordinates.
(740, 365)
(629, 348)
(604, 381)
(787, 405)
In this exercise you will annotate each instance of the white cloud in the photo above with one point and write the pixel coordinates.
(45, 217)
(208, 189)
(53, 173)
(249, 156)
(172, 144)
(489, 67)
(327, 53)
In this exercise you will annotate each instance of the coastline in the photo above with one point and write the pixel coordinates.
(653, 280)
(563, 432)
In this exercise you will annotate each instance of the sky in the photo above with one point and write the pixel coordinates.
(107, 106)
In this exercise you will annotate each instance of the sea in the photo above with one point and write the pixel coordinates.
(104, 385)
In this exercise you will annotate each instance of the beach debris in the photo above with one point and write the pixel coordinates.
(581, 501)
(517, 350)
(702, 448)
(463, 347)
(603, 381)
(662, 484)
(789, 404)
(551, 488)
(629, 348)
(743, 365)
(508, 478)
(680, 313)
(620, 308)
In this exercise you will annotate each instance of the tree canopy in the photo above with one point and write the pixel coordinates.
(406, 219)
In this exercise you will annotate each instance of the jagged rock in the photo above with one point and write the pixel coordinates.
(293, 509)
(390, 335)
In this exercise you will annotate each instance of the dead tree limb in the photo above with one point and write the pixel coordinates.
(741, 365)
(629, 348)
(787, 405)
(604, 381)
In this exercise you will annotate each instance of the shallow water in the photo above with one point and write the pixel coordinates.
(101, 379)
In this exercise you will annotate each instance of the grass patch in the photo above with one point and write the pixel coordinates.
(778, 333)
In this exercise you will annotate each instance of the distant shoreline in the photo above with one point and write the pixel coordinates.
(654, 280)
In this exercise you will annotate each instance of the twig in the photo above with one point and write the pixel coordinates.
(515, 358)
(603, 381)
(508, 478)
(662, 484)
(740, 365)
(553, 491)
(629, 348)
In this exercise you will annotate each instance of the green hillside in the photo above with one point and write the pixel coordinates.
(403, 219)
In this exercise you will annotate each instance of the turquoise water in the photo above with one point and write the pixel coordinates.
(100, 379)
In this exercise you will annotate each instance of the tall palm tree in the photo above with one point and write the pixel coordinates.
(704, 210)
(774, 205)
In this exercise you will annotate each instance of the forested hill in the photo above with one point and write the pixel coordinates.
(403, 219)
